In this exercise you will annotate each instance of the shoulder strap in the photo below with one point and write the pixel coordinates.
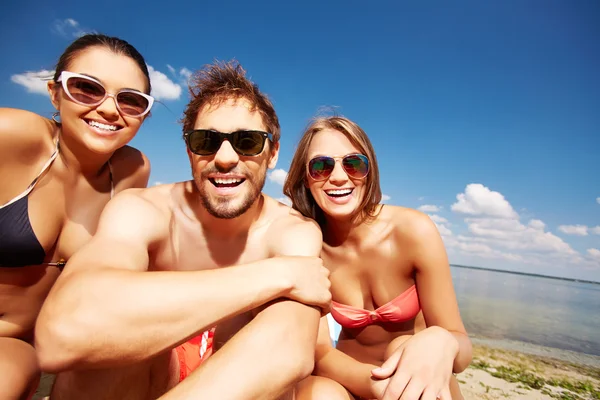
(37, 178)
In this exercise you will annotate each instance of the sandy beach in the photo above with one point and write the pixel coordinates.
(515, 370)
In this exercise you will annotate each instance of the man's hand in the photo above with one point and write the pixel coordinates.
(309, 280)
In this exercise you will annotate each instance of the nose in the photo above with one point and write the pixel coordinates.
(108, 108)
(226, 157)
(338, 176)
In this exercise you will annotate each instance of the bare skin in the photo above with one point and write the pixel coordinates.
(174, 270)
(66, 203)
(403, 248)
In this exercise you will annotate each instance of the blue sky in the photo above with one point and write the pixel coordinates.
(483, 114)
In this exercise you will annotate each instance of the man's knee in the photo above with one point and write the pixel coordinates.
(320, 388)
(19, 369)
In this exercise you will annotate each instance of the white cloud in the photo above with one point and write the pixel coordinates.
(186, 73)
(594, 254)
(385, 197)
(481, 201)
(162, 86)
(429, 208)
(182, 76)
(437, 219)
(285, 200)
(278, 176)
(34, 82)
(595, 230)
(536, 224)
(157, 183)
(443, 229)
(598, 200)
(578, 230)
(68, 28)
(496, 232)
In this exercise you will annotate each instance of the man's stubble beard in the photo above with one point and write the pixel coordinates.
(222, 207)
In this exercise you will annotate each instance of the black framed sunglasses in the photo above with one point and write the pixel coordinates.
(355, 165)
(205, 142)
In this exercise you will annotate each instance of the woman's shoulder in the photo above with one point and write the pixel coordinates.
(24, 134)
(408, 223)
(131, 168)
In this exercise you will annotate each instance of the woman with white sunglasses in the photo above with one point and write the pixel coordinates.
(57, 175)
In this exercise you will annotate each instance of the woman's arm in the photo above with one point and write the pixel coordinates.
(334, 364)
(435, 288)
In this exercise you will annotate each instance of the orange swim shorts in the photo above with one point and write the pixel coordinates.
(193, 353)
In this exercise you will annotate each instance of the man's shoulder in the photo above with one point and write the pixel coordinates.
(285, 219)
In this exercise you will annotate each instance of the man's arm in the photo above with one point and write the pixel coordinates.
(107, 310)
(275, 350)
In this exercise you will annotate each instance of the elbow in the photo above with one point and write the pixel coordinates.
(59, 341)
(464, 357)
(55, 348)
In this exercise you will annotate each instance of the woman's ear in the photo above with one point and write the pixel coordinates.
(54, 93)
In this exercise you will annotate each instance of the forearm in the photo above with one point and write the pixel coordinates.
(350, 373)
(465, 352)
(115, 317)
(264, 359)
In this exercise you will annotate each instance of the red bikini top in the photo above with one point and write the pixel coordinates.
(403, 308)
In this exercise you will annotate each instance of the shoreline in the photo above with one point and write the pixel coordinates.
(506, 369)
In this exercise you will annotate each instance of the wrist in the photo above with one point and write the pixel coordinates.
(278, 279)
(451, 342)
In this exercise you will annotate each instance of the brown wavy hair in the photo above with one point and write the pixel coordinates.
(221, 81)
(295, 183)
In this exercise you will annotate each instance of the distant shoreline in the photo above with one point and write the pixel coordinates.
(526, 274)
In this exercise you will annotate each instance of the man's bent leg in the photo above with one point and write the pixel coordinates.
(146, 380)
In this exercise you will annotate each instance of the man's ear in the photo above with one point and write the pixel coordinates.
(54, 93)
(274, 156)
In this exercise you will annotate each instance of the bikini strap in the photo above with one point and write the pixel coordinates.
(37, 178)
(112, 183)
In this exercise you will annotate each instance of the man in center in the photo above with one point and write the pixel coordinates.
(169, 262)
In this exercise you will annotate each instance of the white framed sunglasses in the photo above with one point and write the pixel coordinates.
(87, 91)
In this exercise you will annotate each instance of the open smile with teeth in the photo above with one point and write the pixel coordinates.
(339, 192)
(104, 127)
(226, 182)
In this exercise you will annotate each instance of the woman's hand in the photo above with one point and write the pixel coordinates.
(421, 367)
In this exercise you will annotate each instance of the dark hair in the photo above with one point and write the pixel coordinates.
(295, 188)
(118, 46)
(221, 81)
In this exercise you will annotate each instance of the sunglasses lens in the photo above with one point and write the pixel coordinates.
(132, 103)
(204, 142)
(356, 166)
(85, 91)
(319, 168)
(248, 143)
